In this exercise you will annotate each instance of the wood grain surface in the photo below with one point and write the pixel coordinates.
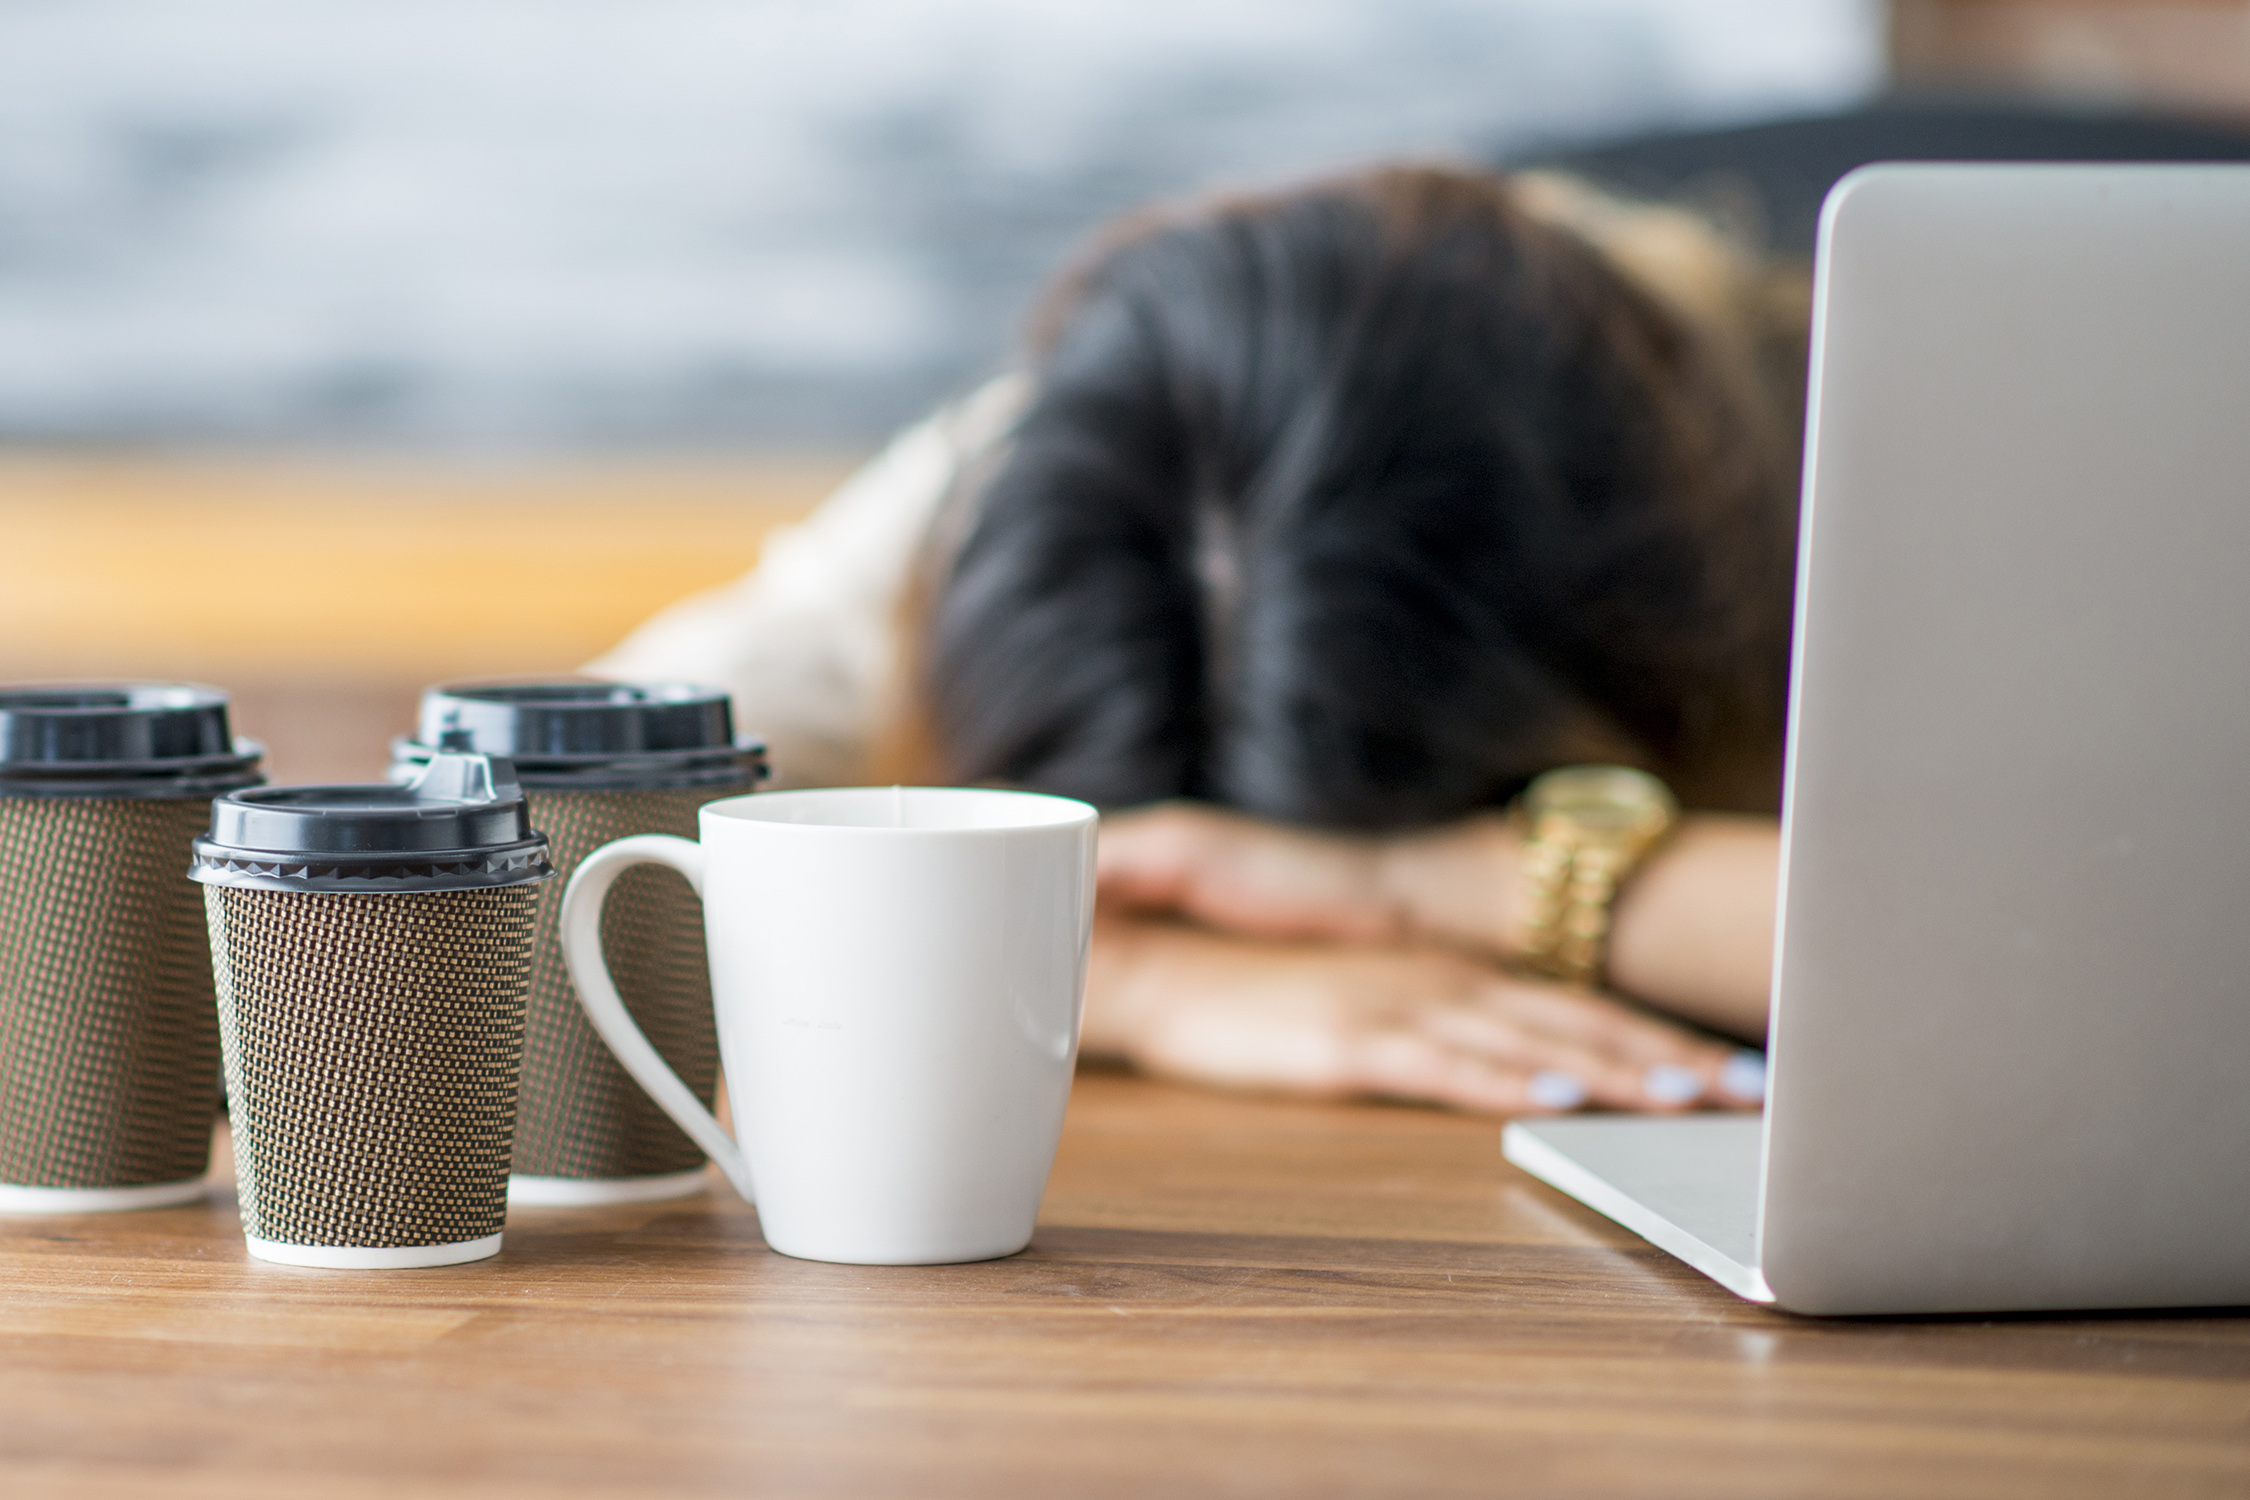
(1226, 1296)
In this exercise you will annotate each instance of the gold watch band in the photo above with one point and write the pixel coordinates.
(1585, 830)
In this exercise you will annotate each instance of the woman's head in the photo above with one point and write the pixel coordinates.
(1357, 506)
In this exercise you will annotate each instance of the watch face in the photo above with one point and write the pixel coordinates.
(1601, 799)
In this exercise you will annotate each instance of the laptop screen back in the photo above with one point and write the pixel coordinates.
(2011, 1051)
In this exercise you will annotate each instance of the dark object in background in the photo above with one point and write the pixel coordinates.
(601, 761)
(372, 949)
(1765, 183)
(1776, 174)
(109, 1039)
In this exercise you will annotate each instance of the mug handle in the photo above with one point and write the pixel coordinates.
(589, 974)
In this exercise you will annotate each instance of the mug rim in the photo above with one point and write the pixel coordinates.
(1060, 812)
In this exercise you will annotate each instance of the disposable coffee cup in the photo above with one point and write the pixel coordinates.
(598, 761)
(109, 1042)
(372, 949)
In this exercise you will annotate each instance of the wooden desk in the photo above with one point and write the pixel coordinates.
(1227, 1296)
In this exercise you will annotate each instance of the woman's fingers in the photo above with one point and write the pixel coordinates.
(1625, 1059)
(1569, 1067)
(1600, 1021)
(1413, 1064)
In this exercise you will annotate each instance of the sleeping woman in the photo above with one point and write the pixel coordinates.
(1316, 528)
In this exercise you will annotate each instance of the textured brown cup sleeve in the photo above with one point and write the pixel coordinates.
(372, 1049)
(109, 1043)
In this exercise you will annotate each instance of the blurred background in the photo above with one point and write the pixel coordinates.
(347, 345)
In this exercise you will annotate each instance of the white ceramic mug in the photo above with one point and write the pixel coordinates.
(899, 974)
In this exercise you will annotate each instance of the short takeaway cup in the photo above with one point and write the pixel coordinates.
(372, 947)
(601, 760)
(109, 1044)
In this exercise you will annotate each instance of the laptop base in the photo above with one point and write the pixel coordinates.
(1688, 1184)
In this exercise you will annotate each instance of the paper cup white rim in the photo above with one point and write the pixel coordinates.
(588, 1192)
(18, 1199)
(371, 1258)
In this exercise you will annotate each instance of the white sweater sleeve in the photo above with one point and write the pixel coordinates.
(806, 641)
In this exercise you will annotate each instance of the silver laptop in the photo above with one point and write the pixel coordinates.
(2010, 1046)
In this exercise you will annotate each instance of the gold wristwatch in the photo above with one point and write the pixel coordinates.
(1584, 829)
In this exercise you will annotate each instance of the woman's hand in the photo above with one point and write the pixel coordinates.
(1692, 932)
(1415, 1024)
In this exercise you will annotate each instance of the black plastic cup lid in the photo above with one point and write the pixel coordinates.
(585, 732)
(120, 739)
(462, 824)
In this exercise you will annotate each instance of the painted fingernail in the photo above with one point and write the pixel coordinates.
(1669, 1083)
(1744, 1076)
(1552, 1090)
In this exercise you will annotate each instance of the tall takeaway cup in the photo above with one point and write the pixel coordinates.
(600, 760)
(372, 947)
(109, 1043)
(898, 975)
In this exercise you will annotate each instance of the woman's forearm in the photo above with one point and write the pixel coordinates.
(1692, 931)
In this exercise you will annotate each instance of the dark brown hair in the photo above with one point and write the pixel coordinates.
(1356, 506)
